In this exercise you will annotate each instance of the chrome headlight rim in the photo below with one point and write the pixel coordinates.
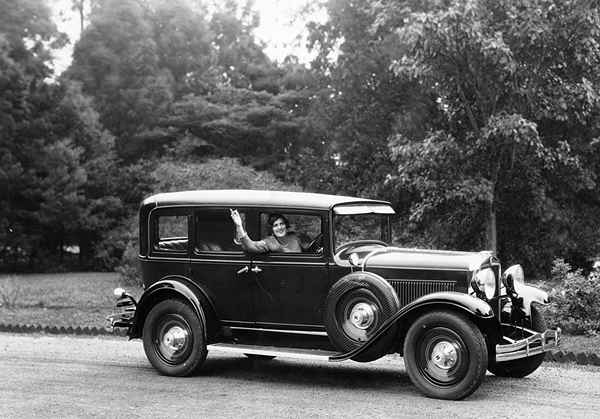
(484, 283)
(512, 277)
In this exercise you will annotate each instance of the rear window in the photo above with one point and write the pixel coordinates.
(171, 233)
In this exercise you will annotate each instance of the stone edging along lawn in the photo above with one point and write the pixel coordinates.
(580, 358)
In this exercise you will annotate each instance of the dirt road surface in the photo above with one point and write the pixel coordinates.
(63, 376)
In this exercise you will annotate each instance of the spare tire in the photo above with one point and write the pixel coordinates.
(356, 307)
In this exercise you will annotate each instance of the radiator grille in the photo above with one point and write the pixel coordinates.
(409, 290)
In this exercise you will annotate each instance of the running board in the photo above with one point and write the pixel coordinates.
(273, 351)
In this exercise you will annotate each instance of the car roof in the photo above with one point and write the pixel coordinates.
(253, 198)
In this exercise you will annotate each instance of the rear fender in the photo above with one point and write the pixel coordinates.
(169, 287)
(472, 306)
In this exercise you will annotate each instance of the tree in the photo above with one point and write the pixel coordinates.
(117, 62)
(359, 101)
(27, 36)
(516, 91)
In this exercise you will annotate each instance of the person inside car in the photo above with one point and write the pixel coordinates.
(280, 240)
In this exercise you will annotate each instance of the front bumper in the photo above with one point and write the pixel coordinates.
(533, 343)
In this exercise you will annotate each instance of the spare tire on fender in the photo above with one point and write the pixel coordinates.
(356, 306)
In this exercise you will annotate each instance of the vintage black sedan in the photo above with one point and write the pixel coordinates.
(345, 293)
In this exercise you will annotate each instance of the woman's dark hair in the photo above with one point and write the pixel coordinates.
(274, 217)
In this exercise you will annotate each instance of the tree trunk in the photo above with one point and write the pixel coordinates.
(81, 17)
(492, 237)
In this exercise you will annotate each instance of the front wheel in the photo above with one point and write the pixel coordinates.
(519, 368)
(445, 355)
(173, 338)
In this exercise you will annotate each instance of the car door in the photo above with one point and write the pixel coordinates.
(291, 288)
(221, 268)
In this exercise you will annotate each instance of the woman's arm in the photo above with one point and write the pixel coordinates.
(241, 236)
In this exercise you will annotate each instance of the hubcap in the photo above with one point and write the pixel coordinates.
(362, 315)
(175, 339)
(444, 355)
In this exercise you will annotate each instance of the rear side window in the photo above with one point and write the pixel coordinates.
(215, 230)
(171, 233)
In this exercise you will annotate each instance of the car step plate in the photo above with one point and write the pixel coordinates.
(273, 351)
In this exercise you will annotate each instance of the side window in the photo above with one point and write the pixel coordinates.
(170, 233)
(215, 230)
(303, 229)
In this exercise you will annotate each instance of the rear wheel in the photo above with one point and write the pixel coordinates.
(520, 368)
(445, 355)
(174, 338)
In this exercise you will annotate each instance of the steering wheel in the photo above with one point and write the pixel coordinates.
(343, 250)
(316, 244)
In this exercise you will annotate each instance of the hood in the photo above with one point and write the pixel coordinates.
(394, 257)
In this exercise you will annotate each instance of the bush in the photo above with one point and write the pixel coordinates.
(10, 292)
(129, 269)
(575, 306)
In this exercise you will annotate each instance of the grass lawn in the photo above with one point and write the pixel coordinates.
(85, 299)
(64, 299)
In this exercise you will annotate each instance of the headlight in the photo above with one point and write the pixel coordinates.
(354, 259)
(484, 281)
(513, 275)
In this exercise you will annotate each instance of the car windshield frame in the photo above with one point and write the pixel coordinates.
(383, 210)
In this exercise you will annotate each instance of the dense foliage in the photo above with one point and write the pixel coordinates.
(575, 299)
(479, 120)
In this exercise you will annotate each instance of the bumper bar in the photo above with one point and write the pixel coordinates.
(124, 313)
(535, 343)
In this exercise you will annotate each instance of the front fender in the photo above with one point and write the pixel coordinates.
(454, 300)
(177, 286)
(530, 295)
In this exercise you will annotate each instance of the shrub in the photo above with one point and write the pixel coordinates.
(129, 269)
(575, 299)
(10, 292)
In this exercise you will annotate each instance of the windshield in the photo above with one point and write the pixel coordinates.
(357, 227)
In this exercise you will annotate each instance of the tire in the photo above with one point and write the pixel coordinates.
(520, 368)
(256, 357)
(356, 306)
(174, 338)
(445, 355)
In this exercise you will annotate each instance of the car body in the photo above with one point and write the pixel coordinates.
(351, 295)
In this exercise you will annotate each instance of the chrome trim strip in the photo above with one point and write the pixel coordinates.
(241, 261)
(166, 259)
(295, 332)
(258, 262)
(284, 262)
(416, 268)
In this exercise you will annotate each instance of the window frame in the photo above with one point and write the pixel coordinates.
(323, 215)
(247, 212)
(153, 231)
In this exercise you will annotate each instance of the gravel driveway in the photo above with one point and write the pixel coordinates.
(65, 376)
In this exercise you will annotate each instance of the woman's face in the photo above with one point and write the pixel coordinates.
(279, 228)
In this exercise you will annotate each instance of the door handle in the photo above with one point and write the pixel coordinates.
(243, 270)
(256, 269)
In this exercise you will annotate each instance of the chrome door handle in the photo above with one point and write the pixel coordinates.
(243, 270)
(256, 269)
